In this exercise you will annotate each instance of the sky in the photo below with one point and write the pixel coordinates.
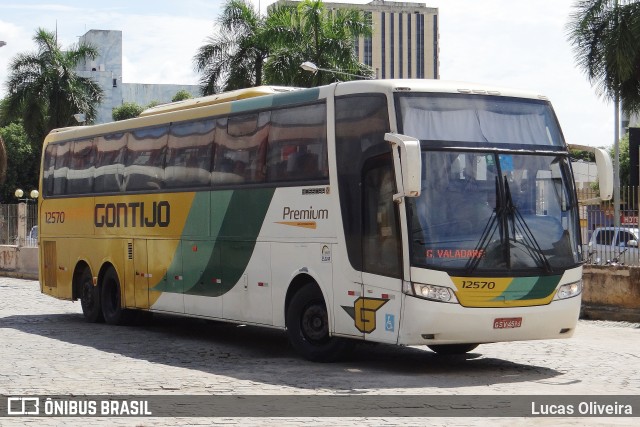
(511, 43)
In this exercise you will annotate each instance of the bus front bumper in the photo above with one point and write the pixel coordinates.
(427, 322)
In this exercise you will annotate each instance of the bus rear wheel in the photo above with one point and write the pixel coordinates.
(452, 349)
(111, 299)
(90, 298)
(308, 327)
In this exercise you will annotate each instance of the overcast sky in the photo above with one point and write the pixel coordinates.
(520, 44)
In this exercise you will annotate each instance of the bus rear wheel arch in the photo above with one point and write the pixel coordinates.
(307, 323)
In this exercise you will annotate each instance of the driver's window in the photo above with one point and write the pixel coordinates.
(381, 230)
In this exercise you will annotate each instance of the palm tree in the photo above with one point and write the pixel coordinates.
(309, 32)
(606, 38)
(234, 58)
(44, 91)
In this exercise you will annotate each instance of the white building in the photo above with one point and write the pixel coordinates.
(106, 70)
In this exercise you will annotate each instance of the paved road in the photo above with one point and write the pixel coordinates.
(47, 348)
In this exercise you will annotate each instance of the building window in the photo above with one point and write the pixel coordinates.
(409, 64)
(393, 44)
(383, 44)
(400, 43)
(435, 46)
(420, 52)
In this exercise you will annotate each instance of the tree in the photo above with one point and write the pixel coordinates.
(44, 91)
(606, 39)
(127, 110)
(23, 162)
(234, 58)
(181, 95)
(309, 32)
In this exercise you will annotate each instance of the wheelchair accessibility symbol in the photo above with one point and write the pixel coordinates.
(389, 322)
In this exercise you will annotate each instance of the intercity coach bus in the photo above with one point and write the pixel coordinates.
(412, 212)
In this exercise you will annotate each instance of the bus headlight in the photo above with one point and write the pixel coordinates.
(432, 292)
(569, 290)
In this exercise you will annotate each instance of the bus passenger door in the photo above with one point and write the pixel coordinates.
(136, 291)
(381, 252)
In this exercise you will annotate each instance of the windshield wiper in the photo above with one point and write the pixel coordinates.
(519, 224)
(507, 218)
(489, 231)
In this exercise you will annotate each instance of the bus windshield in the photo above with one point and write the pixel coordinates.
(497, 194)
(486, 211)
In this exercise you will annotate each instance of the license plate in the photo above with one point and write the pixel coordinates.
(507, 322)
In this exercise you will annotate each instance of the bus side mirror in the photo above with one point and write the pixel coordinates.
(632, 243)
(605, 171)
(407, 164)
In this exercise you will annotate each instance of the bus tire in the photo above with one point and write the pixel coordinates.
(307, 324)
(90, 298)
(452, 349)
(111, 299)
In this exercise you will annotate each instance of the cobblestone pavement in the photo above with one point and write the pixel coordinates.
(47, 348)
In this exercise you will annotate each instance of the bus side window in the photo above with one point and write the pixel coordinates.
(298, 144)
(381, 229)
(144, 165)
(81, 167)
(62, 167)
(48, 169)
(241, 146)
(109, 170)
(189, 154)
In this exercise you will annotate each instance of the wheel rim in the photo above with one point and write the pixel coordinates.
(314, 324)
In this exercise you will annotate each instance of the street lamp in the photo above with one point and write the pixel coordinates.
(313, 68)
(33, 194)
(2, 43)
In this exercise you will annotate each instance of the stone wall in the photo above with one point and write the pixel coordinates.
(611, 293)
(19, 261)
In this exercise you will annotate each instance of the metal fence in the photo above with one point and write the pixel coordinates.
(603, 243)
(16, 228)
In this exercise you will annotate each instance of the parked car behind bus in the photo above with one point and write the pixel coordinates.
(609, 243)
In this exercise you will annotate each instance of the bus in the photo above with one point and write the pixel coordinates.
(409, 212)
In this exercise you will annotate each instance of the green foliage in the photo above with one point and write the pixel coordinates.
(606, 39)
(128, 110)
(582, 155)
(251, 49)
(23, 162)
(181, 95)
(233, 58)
(44, 91)
(625, 160)
(309, 32)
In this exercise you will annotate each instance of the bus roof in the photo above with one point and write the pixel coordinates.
(218, 98)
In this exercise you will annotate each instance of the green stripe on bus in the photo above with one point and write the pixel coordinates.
(235, 243)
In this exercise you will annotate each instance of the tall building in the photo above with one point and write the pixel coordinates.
(106, 70)
(404, 41)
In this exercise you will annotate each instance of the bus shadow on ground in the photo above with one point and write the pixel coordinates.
(264, 355)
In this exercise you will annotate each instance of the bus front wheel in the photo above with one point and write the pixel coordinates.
(111, 299)
(90, 298)
(308, 327)
(452, 349)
